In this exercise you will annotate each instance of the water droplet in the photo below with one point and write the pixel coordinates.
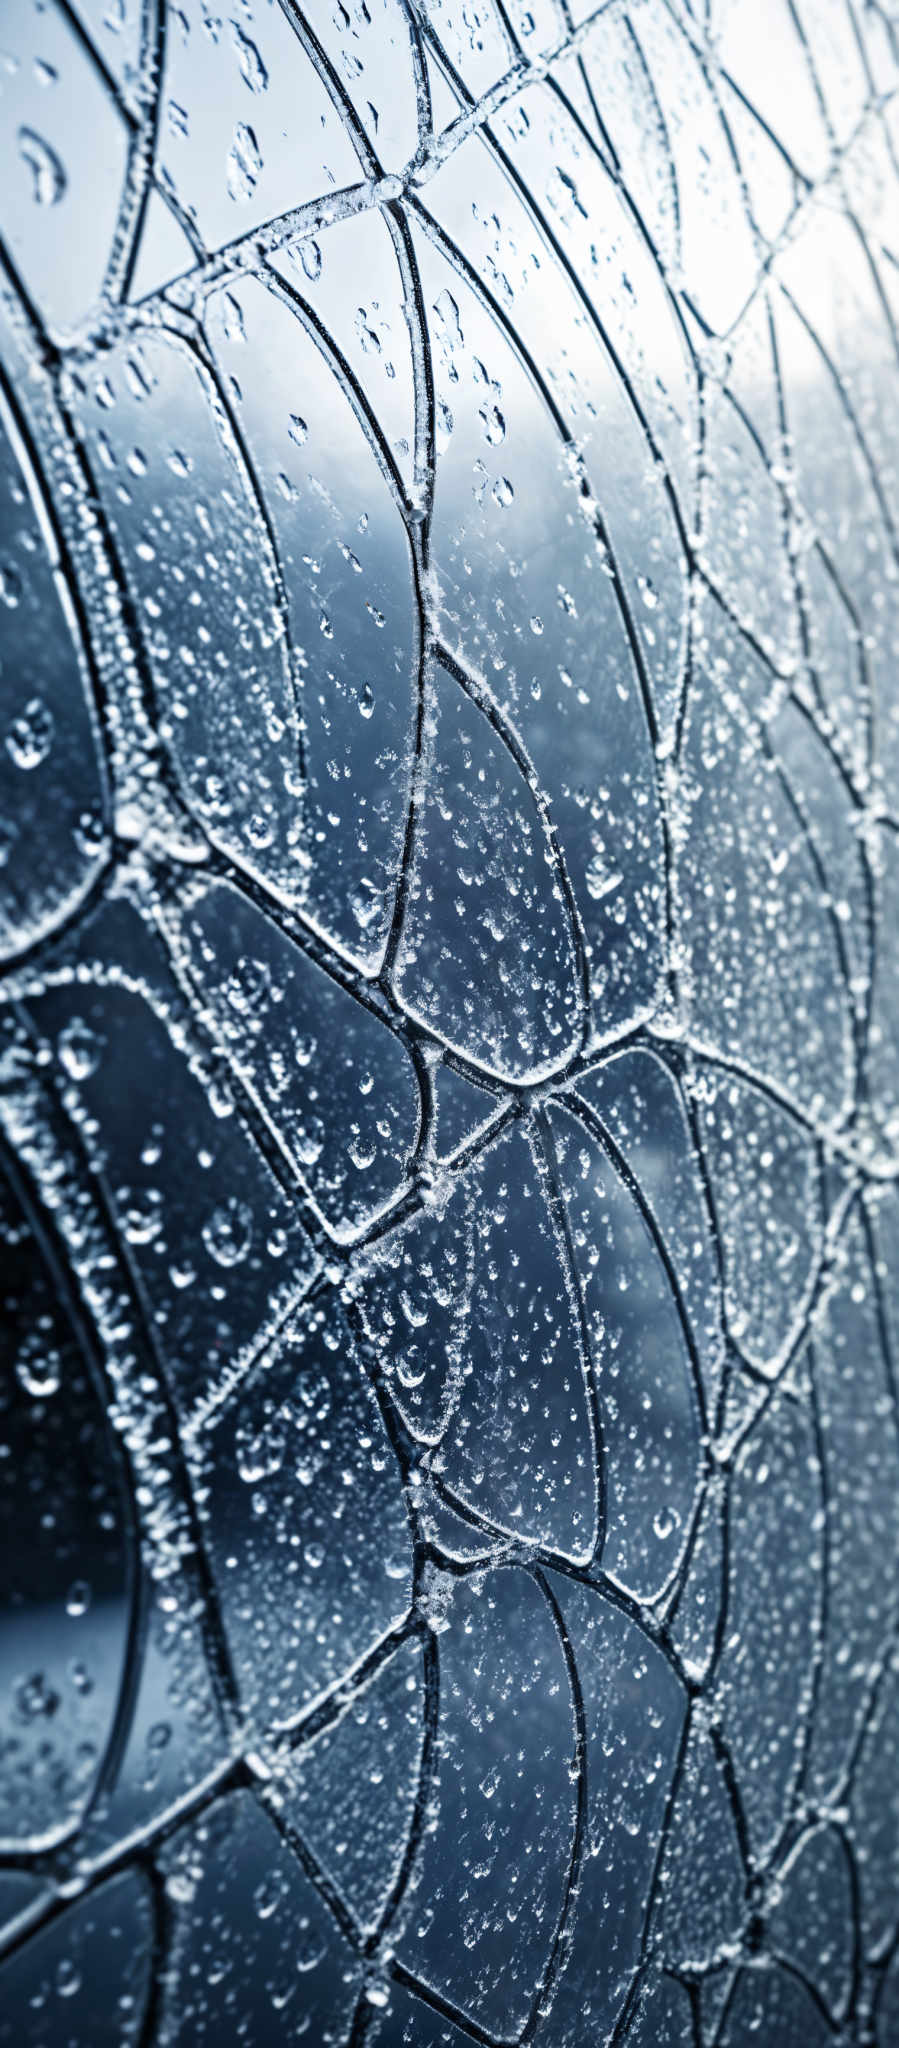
(368, 337)
(30, 736)
(447, 313)
(665, 1521)
(68, 1978)
(139, 379)
(38, 1367)
(252, 69)
(10, 586)
(233, 320)
(140, 1212)
(260, 1452)
(493, 423)
(228, 1232)
(563, 194)
(310, 257)
(48, 173)
(244, 164)
(259, 830)
(363, 1152)
(89, 833)
(269, 1894)
(79, 1049)
(310, 1946)
(601, 877)
(35, 1697)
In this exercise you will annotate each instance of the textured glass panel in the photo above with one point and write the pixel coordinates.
(449, 1061)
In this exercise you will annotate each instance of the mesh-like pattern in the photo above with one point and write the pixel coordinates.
(449, 1057)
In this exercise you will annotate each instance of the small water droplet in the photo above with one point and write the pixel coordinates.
(493, 423)
(244, 164)
(38, 1367)
(140, 1212)
(252, 69)
(30, 736)
(48, 173)
(228, 1232)
(665, 1521)
(268, 1895)
(601, 877)
(310, 257)
(233, 320)
(10, 586)
(35, 1697)
(68, 1978)
(79, 1049)
(310, 1945)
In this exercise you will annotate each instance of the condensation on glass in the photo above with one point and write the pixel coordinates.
(449, 1026)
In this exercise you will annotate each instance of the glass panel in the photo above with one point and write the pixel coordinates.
(449, 1058)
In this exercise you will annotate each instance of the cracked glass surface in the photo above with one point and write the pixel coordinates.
(449, 1062)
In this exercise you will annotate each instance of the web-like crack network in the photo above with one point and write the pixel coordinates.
(449, 1075)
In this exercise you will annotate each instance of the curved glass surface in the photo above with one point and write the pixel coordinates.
(449, 1059)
